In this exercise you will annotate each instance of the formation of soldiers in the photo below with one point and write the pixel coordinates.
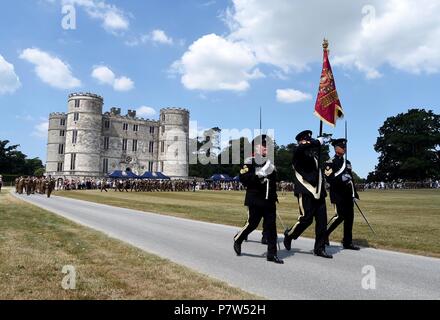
(259, 176)
(139, 185)
(34, 185)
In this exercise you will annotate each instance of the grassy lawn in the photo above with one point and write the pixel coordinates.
(36, 244)
(404, 220)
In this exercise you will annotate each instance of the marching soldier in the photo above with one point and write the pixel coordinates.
(261, 197)
(27, 185)
(50, 186)
(310, 191)
(338, 172)
(104, 185)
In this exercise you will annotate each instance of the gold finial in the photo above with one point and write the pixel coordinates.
(325, 44)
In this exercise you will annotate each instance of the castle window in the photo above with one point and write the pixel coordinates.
(74, 136)
(125, 126)
(76, 116)
(151, 147)
(151, 129)
(176, 153)
(106, 143)
(61, 149)
(162, 147)
(106, 124)
(62, 122)
(105, 166)
(62, 132)
(150, 166)
(72, 161)
(59, 167)
(124, 144)
(163, 117)
(135, 145)
(161, 166)
(176, 138)
(77, 103)
(135, 127)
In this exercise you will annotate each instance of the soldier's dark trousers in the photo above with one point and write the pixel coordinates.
(344, 213)
(268, 213)
(310, 208)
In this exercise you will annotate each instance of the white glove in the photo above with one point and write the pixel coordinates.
(321, 140)
(346, 177)
(266, 170)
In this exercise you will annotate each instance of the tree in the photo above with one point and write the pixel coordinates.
(13, 161)
(409, 147)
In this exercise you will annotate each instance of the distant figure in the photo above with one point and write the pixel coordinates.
(1, 182)
(339, 175)
(194, 184)
(104, 185)
(50, 186)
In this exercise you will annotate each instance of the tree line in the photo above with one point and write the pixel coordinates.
(408, 145)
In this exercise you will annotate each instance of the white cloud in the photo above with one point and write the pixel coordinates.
(160, 36)
(106, 76)
(215, 63)
(145, 111)
(113, 19)
(292, 96)
(365, 35)
(9, 81)
(287, 34)
(123, 84)
(40, 130)
(51, 69)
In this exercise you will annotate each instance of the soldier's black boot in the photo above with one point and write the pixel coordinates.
(237, 248)
(322, 253)
(350, 246)
(275, 259)
(287, 241)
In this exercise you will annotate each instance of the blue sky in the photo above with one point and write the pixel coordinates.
(222, 60)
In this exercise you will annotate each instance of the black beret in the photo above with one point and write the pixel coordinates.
(304, 135)
(339, 143)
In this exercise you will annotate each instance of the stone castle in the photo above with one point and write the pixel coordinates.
(85, 142)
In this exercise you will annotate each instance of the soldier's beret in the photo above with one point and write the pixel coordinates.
(339, 143)
(304, 135)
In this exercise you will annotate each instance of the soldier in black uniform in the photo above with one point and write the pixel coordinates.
(259, 176)
(310, 191)
(339, 175)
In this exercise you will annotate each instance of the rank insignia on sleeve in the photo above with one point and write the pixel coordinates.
(328, 171)
(244, 170)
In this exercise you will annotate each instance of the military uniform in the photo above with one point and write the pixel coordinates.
(310, 192)
(261, 197)
(338, 172)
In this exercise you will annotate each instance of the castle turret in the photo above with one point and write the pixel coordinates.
(173, 142)
(56, 142)
(83, 135)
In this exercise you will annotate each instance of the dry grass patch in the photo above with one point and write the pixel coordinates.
(36, 244)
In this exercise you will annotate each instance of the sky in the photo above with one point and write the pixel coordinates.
(222, 60)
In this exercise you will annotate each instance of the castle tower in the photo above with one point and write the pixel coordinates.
(173, 142)
(83, 135)
(56, 142)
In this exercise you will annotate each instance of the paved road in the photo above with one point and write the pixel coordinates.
(207, 248)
